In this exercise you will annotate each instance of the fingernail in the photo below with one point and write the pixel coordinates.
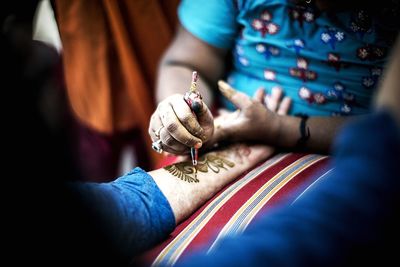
(225, 89)
(198, 145)
(276, 89)
(261, 89)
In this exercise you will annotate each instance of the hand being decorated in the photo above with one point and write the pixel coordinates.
(256, 119)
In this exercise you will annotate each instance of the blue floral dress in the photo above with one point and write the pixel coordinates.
(329, 64)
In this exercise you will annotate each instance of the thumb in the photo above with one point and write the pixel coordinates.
(239, 99)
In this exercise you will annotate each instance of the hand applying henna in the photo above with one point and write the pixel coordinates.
(178, 126)
(194, 100)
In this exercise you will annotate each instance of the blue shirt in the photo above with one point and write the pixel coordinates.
(328, 64)
(132, 211)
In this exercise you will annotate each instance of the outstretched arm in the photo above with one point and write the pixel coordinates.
(187, 187)
(140, 209)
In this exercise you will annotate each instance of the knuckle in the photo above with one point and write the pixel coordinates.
(190, 141)
(199, 132)
(169, 141)
(153, 117)
(191, 125)
(187, 120)
(172, 127)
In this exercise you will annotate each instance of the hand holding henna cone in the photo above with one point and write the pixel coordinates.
(194, 101)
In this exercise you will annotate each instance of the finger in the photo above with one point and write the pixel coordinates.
(155, 124)
(173, 146)
(284, 106)
(259, 95)
(272, 101)
(175, 128)
(206, 121)
(169, 144)
(186, 117)
(271, 105)
(240, 100)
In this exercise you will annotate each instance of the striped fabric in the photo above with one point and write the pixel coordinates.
(281, 179)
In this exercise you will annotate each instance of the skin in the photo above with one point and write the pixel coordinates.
(249, 122)
(388, 96)
(185, 197)
(187, 172)
(180, 131)
(215, 170)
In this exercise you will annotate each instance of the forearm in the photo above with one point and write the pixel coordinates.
(186, 190)
(174, 78)
(185, 55)
(322, 132)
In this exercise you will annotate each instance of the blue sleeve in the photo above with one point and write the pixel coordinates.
(212, 21)
(132, 210)
(348, 217)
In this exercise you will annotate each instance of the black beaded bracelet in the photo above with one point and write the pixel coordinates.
(303, 129)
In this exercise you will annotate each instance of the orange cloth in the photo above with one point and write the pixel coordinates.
(111, 50)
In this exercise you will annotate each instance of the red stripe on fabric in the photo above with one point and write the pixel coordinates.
(222, 216)
(149, 256)
(211, 230)
(295, 186)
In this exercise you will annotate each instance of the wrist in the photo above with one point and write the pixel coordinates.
(304, 130)
(274, 130)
